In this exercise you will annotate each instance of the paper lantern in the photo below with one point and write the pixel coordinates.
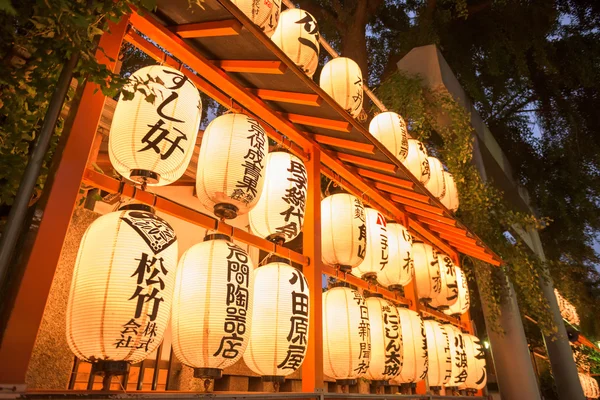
(280, 321)
(153, 142)
(231, 165)
(414, 348)
(436, 184)
(341, 78)
(279, 213)
(458, 353)
(416, 160)
(589, 386)
(427, 271)
(377, 250)
(464, 299)
(390, 129)
(386, 340)
(263, 13)
(212, 306)
(343, 231)
(450, 198)
(399, 270)
(297, 35)
(122, 286)
(567, 311)
(438, 354)
(448, 284)
(346, 335)
(477, 375)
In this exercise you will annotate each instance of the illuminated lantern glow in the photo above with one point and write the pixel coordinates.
(346, 335)
(427, 271)
(458, 353)
(297, 35)
(390, 129)
(416, 160)
(341, 78)
(450, 197)
(280, 321)
(343, 231)
(436, 184)
(263, 13)
(449, 286)
(464, 299)
(477, 375)
(438, 354)
(399, 270)
(589, 386)
(279, 213)
(377, 249)
(567, 311)
(231, 165)
(122, 286)
(414, 348)
(212, 306)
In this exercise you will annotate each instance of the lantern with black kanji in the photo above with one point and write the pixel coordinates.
(416, 160)
(458, 354)
(414, 347)
(263, 13)
(279, 213)
(390, 129)
(427, 271)
(450, 198)
(399, 270)
(377, 248)
(436, 184)
(122, 287)
(297, 35)
(477, 375)
(212, 306)
(343, 231)
(464, 299)
(341, 78)
(448, 284)
(153, 135)
(438, 354)
(231, 165)
(346, 335)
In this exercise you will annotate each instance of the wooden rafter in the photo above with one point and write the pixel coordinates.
(367, 162)
(307, 99)
(345, 144)
(252, 66)
(391, 180)
(227, 27)
(334, 125)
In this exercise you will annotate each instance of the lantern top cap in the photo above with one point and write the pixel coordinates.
(277, 259)
(216, 236)
(137, 207)
(367, 294)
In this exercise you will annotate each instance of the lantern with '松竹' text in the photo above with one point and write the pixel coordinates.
(399, 270)
(390, 129)
(341, 78)
(377, 249)
(263, 13)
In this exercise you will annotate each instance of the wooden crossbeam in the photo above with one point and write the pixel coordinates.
(366, 162)
(460, 240)
(417, 204)
(422, 213)
(376, 176)
(227, 27)
(252, 66)
(399, 192)
(334, 125)
(432, 238)
(481, 256)
(345, 144)
(307, 99)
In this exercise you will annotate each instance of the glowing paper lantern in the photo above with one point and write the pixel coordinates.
(414, 348)
(567, 310)
(231, 165)
(458, 353)
(436, 184)
(122, 286)
(341, 78)
(438, 354)
(416, 160)
(376, 250)
(464, 300)
(297, 35)
(399, 270)
(346, 335)
(476, 376)
(427, 271)
(279, 213)
(589, 386)
(343, 231)
(280, 318)
(263, 13)
(450, 197)
(449, 287)
(212, 306)
(390, 129)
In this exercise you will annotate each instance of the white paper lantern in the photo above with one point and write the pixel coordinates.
(427, 271)
(450, 198)
(438, 354)
(343, 231)
(297, 35)
(341, 78)
(449, 286)
(346, 335)
(386, 340)
(589, 386)
(153, 142)
(464, 299)
(231, 165)
(390, 129)
(436, 184)
(122, 287)
(263, 13)
(212, 306)
(458, 354)
(414, 348)
(477, 375)
(279, 213)
(280, 321)
(377, 249)
(399, 270)
(416, 160)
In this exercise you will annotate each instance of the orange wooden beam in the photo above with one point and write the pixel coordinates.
(306, 99)
(441, 227)
(334, 125)
(252, 67)
(417, 204)
(227, 27)
(429, 215)
(402, 195)
(345, 144)
(366, 162)
(481, 256)
(392, 180)
(433, 239)
(460, 240)
(432, 312)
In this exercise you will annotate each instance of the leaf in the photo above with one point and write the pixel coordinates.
(148, 4)
(7, 7)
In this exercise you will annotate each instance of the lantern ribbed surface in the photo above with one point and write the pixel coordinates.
(399, 270)
(390, 129)
(377, 249)
(157, 136)
(450, 198)
(122, 287)
(386, 340)
(416, 160)
(458, 354)
(343, 230)
(427, 270)
(438, 354)
(212, 305)
(341, 78)
(297, 35)
(436, 184)
(232, 163)
(589, 386)
(414, 348)
(263, 13)
(280, 210)
(449, 286)
(463, 301)
(477, 375)
(346, 334)
(280, 318)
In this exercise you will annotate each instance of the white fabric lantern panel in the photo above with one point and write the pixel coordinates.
(122, 287)
(436, 184)
(377, 249)
(231, 165)
(341, 78)
(386, 340)
(153, 142)
(589, 386)
(279, 213)
(263, 13)
(212, 311)
(463, 301)
(343, 231)
(477, 375)
(427, 271)
(414, 348)
(280, 321)
(438, 354)
(297, 35)
(458, 354)
(390, 129)
(450, 198)
(416, 160)
(448, 295)
(399, 270)
(346, 335)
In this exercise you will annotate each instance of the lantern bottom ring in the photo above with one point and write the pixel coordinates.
(144, 176)
(345, 268)
(226, 211)
(380, 383)
(370, 276)
(278, 238)
(208, 373)
(273, 378)
(441, 308)
(396, 288)
(426, 300)
(348, 382)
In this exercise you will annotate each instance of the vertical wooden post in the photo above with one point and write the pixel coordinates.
(25, 318)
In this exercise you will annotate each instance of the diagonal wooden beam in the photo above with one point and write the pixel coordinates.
(402, 195)
(366, 162)
(334, 125)
(392, 180)
(422, 213)
(345, 144)
(417, 204)
(252, 66)
(227, 27)
(306, 99)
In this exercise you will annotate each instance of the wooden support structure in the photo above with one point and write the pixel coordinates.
(317, 122)
(251, 66)
(367, 162)
(227, 27)
(307, 99)
(402, 195)
(376, 176)
(345, 144)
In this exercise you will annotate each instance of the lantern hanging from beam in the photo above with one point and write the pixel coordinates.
(399, 270)
(341, 78)
(458, 354)
(263, 13)
(436, 184)
(449, 287)
(153, 135)
(414, 348)
(477, 375)
(464, 300)
(346, 335)
(450, 197)
(231, 165)
(343, 231)
(377, 249)
(279, 213)
(122, 287)
(427, 271)
(438, 354)
(280, 321)
(416, 160)
(297, 35)
(390, 129)
(212, 311)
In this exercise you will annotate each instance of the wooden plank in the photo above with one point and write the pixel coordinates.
(392, 180)
(429, 215)
(334, 125)
(345, 144)
(227, 27)
(403, 193)
(366, 162)
(307, 99)
(461, 240)
(252, 66)
(417, 204)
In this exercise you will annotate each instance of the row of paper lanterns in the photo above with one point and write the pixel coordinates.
(567, 310)
(590, 387)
